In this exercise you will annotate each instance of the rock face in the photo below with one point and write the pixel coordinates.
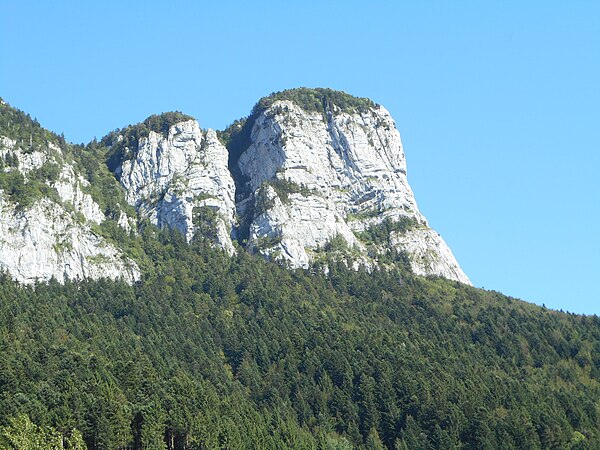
(48, 234)
(312, 176)
(180, 179)
(44, 242)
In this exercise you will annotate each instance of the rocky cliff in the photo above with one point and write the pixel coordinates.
(328, 167)
(47, 219)
(310, 175)
(178, 178)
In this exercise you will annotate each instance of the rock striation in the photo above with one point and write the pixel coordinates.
(44, 242)
(46, 219)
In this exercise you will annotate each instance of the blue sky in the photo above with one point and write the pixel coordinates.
(498, 103)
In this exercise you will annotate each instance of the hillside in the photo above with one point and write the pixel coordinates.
(273, 285)
(210, 351)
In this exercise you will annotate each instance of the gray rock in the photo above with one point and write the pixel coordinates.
(309, 184)
(53, 238)
(172, 178)
(312, 178)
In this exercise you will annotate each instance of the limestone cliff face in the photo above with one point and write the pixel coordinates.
(313, 176)
(51, 236)
(44, 241)
(180, 179)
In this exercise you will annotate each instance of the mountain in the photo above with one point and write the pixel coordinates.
(309, 174)
(272, 285)
(319, 166)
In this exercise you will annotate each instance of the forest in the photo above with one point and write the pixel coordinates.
(211, 351)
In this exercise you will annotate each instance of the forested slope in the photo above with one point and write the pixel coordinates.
(208, 351)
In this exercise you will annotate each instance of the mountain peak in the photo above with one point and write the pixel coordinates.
(305, 183)
(123, 142)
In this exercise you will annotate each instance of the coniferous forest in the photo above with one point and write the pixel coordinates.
(209, 351)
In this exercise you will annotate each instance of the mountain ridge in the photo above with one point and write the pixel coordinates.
(176, 174)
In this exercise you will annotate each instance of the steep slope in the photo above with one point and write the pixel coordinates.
(176, 176)
(318, 166)
(47, 215)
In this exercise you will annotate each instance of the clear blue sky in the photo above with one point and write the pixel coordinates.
(498, 103)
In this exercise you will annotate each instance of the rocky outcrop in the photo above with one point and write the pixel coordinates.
(45, 241)
(46, 231)
(180, 179)
(288, 228)
(312, 176)
(428, 254)
(70, 188)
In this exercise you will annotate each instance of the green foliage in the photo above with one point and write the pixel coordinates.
(62, 245)
(11, 160)
(234, 134)
(263, 201)
(380, 233)
(29, 137)
(130, 243)
(363, 215)
(320, 100)
(103, 186)
(27, 132)
(24, 193)
(336, 244)
(374, 441)
(24, 190)
(284, 187)
(206, 221)
(236, 137)
(47, 173)
(266, 242)
(160, 123)
(22, 434)
(209, 351)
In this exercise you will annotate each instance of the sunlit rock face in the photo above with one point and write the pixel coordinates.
(181, 177)
(44, 242)
(313, 176)
(52, 236)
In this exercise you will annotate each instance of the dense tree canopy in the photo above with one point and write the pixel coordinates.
(316, 100)
(209, 351)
